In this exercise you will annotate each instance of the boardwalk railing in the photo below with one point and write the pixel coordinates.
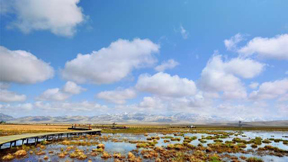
(36, 136)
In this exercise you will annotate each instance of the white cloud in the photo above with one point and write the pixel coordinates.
(16, 108)
(56, 94)
(270, 90)
(284, 97)
(183, 32)
(71, 106)
(242, 112)
(8, 96)
(54, 108)
(164, 84)
(245, 68)
(23, 67)
(151, 102)
(282, 110)
(111, 64)
(4, 85)
(192, 104)
(118, 96)
(197, 105)
(275, 47)
(231, 44)
(254, 85)
(72, 88)
(170, 64)
(200, 107)
(219, 76)
(59, 17)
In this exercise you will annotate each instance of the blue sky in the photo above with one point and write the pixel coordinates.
(200, 73)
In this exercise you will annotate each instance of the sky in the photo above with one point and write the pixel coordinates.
(212, 58)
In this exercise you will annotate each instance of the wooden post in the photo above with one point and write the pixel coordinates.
(23, 141)
(27, 141)
(36, 140)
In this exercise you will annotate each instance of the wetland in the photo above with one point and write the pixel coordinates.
(184, 145)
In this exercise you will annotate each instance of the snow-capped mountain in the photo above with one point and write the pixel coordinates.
(130, 118)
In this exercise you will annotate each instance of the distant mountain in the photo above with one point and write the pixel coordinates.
(120, 118)
(268, 123)
(141, 118)
(4, 117)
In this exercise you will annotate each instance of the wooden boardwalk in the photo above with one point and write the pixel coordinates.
(14, 138)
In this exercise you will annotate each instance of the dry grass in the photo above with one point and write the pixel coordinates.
(11, 129)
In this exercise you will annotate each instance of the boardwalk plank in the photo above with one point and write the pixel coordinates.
(7, 139)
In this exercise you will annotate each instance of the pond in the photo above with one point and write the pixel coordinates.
(208, 146)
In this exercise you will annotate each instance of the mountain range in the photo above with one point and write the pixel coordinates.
(139, 118)
(119, 118)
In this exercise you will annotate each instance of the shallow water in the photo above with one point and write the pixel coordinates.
(125, 147)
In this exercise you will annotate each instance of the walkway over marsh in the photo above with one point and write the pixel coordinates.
(14, 138)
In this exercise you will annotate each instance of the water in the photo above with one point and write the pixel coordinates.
(124, 147)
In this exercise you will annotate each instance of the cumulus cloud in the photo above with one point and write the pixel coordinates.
(118, 96)
(170, 64)
(184, 32)
(231, 44)
(16, 108)
(111, 64)
(53, 94)
(59, 17)
(151, 102)
(282, 110)
(243, 112)
(220, 76)
(4, 85)
(23, 67)
(72, 88)
(56, 94)
(196, 105)
(253, 85)
(192, 104)
(270, 90)
(245, 68)
(70, 106)
(8, 96)
(284, 98)
(275, 47)
(164, 84)
(202, 108)
(54, 108)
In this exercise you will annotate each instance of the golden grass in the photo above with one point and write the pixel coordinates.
(183, 151)
(12, 129)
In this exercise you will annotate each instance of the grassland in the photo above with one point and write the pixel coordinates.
(12, 129)
(178, 145)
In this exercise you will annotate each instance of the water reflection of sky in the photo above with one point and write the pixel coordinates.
(125, 147)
